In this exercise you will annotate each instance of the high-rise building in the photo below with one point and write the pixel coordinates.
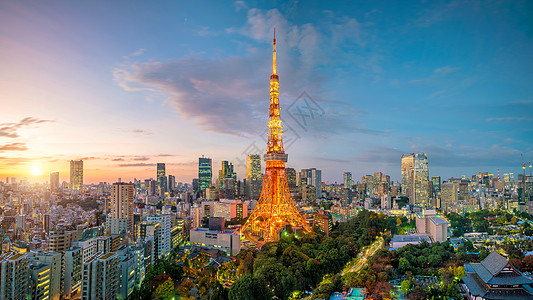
(436, 182)
(291, 180)
(429, 223)
(121, 216)
(20, 220)
(152, 187)
(348, 182)
(253, 165)
(164, 238)
(314, 178)
(377, 180)
(60, 240)
(54, 181)
(226, 171)
(40, 278)
(422, 186)
(408, 164)
(464, 191)
(161, 178)
(275, 208)
(228, 189)
(368, 182)
(130, 273)
(149, 231)
(55, 261)
(46, 222)
(254, 181)
(195, 185)
(76, 175)
(101, 277)
(448, 194)
(171, 183)
(14, 275)
(205, 173)
(72, 259)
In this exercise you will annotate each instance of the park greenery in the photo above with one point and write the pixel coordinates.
(292, 266)
(313, 265)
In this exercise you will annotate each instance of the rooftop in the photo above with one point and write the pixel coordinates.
(497, 270)
(411, 238)
(106, 256)
(438, 220)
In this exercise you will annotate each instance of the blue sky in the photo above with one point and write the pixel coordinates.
(126, 84)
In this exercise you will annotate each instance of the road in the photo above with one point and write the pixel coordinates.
(363, 256)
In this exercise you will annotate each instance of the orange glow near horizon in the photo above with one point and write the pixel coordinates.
(95, 171)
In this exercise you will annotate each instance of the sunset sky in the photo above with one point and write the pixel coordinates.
(126, 84)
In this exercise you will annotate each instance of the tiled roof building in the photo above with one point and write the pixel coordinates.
(496, 278)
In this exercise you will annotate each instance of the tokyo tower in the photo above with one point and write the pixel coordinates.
(275, 208)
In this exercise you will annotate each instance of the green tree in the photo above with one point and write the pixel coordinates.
(165, 289)
(406, 286)
(249, 288)
(434, 260)
(404, 266)
(219, 293)
(174, 270)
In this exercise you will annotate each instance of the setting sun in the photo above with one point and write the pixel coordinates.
(36, 170)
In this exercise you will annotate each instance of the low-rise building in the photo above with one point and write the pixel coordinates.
(398, 241)
(227, 241)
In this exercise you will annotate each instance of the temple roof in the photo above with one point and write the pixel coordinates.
(478, 288)
(479, 277)
(499, 279)
(494, 262)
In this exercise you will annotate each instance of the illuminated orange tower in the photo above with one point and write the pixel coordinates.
(275, 207)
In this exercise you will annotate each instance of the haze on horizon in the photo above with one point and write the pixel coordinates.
(125, 85)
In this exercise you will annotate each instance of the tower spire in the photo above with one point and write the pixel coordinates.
(274, 54)
(275, 130)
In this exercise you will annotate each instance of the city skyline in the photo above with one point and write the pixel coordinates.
(381, 83)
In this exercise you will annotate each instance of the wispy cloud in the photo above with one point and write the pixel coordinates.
(13, 147)
(445, 156)
(224, 95)
(522, 102)
(141, 131)
(509, 119)
(240, 5)
(10, 130)
(445, 70)
(137, 165)
(205, 31)
(89, 158)
(138, 52)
